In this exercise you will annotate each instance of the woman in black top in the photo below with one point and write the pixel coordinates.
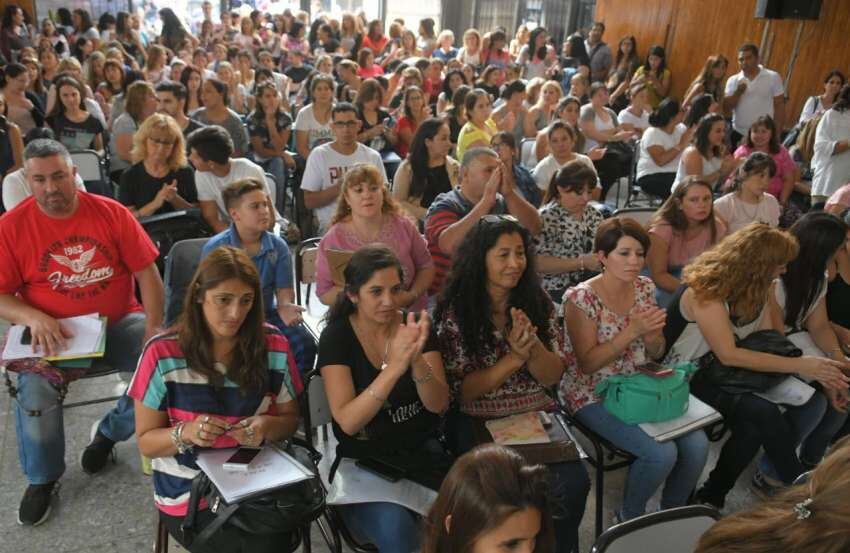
(456, 114)
(376, 131)
(160, 181)
(385, 384)
(428, 170)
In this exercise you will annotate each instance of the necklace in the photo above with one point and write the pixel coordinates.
(749, 216)
(361, 334)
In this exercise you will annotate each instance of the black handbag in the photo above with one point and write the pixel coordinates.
(271, 512)
(735, 380)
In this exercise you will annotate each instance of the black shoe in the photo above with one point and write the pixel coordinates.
(35, 506)
(704, 497)
(97, 453)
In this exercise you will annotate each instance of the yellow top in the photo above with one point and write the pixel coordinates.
(470, 134)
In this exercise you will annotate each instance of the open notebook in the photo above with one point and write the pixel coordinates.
(270, 469)
(87, 339)
(698, 415)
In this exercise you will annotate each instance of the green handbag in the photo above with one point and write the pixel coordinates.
(639, 397)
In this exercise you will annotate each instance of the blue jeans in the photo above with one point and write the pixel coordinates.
(814, 447)
(388, 526)
(677, 464)
(277, 169)
(300, 342)
(41, 438)
(663, 297)
(804, 421)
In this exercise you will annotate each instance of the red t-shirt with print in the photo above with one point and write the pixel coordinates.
(74, 266)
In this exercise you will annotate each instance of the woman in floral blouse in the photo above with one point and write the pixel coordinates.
(565, 244)
(613, 326)
(499, 364)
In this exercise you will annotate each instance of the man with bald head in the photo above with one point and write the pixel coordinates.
(63, 253)
(484, 189)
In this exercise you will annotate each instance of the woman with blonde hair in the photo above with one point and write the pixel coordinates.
(520, 40)
(812, 516)
(160, 181)
(709, 81)
(728, 294)
(139, 104)
(470, 52)
(155, 70)
(368, 214)
(542, 113)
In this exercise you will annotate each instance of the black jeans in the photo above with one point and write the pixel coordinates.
(610, 168)
(657, 184)
(755, 423)
(569, 484)
(229, 539)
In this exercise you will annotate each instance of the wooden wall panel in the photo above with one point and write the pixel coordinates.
(691, 30)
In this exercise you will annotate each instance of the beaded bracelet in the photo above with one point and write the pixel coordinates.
(177, 439)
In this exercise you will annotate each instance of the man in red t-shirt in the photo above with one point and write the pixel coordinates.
(63, 253)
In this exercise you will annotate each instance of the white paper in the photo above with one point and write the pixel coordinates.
(351, 484)
(85, 331)
(791, 391)
(269, 470)
(698, 415)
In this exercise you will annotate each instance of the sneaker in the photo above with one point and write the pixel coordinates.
(764, 486)
(35, 506)
(100, 450)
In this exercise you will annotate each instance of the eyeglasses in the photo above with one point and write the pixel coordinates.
(161, 142)
(493, 219)
(349, 124)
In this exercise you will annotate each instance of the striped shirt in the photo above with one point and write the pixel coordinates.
(164, 382)
(447, 209)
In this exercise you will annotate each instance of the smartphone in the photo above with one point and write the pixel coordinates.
(388, 472)
(241, 458)
(655, 369)
(26, 339)
(389, 122)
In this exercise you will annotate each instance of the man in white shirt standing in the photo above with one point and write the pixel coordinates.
(328, 163)
(210, 149)
(753, 92)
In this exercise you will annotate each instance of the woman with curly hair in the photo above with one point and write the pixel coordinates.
(812, 516)
(501, 346)
(367, 214)
(728, 293)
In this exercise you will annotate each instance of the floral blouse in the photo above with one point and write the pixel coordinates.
(565, 236)
(520, 393)
(577, 388)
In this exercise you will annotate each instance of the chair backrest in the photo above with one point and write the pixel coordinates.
(305, 264)
(88, 164)
(272, 183)
(180, 267)
(526, 153)
(640, 214)
(318, 408)
(672, 531)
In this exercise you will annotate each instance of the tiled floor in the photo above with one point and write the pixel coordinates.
(113, 511)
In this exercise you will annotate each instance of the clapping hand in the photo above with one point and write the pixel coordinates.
(596, 153)
(647, 321)
(408, 342)
(492, 186)
(523, 335)
(167, 192)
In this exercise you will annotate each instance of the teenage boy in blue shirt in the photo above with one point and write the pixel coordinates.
(246, 203)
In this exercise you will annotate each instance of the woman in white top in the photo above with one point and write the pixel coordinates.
(817, 105)
(749, 201)
(637, 113)
(831, 161)
(707, 157)
(600, 126)
(728, 294)
(562, 138)
(660, 149)
(313, 122)
(470, 53)
(800, 310)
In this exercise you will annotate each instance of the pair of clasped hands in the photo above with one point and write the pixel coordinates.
(206, 429)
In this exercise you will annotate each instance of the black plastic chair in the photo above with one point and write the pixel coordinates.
(672, 531)
(167, 229)
(180, 267)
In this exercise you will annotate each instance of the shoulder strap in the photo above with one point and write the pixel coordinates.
(200, 485)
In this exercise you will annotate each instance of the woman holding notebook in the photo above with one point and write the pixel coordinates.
(368, 214)
(499, 337)
(220, 379)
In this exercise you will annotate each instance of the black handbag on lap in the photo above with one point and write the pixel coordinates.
(735, 380)
(276, 511)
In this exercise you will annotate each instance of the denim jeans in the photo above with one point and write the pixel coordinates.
(301, 344)
(755, 422)
(677, 464)
(388, 526)
(813, 428)
(41, 439)
(276, 167)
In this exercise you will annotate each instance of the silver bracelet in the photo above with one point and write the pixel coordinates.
(177, 439)
(428, 376)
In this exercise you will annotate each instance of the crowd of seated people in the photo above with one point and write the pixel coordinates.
(470, 271)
